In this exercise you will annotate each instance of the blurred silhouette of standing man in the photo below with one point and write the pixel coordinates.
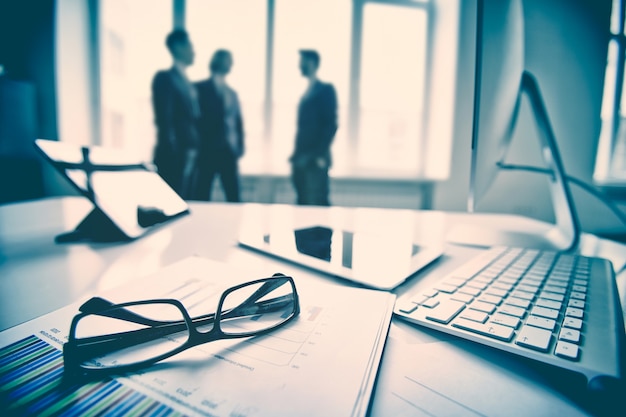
(176, 112)
(316, 127)
(221, 130)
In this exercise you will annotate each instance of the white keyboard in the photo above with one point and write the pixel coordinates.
(560, 309)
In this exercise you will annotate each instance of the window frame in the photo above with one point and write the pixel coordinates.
(604, 174)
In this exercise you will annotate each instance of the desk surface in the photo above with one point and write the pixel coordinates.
(38, 276)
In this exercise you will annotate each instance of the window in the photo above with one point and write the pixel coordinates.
(610, 166)
(132, 49)
(391, 90)
(377, 53)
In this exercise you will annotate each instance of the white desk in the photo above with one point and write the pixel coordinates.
(38, 276)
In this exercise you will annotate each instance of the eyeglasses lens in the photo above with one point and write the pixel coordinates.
(258, 306)
(130, 334)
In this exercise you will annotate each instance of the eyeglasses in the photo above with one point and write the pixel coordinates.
(119, 338)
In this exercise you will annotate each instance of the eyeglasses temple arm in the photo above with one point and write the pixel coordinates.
(265, 289)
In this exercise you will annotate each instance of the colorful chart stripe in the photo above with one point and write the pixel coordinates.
(31, 383)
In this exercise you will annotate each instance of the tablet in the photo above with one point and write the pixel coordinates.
(375, 260)
(129, 199)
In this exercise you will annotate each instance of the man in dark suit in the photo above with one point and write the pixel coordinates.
(221, 130)
(176, 112)
(316, 128)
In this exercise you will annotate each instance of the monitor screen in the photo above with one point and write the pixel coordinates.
(499, 69)
(502, 86)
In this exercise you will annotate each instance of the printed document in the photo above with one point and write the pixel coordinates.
(323, 363)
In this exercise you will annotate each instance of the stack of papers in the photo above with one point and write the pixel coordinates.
(322, 363)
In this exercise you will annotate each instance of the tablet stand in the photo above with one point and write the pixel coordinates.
(95, 227)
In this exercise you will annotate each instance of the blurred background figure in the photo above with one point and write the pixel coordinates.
(221, 130)
(176, 113)
(316, 128)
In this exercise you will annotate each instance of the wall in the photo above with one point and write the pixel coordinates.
(566, 44)
(27, 54)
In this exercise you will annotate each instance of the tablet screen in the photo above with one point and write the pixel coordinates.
(373, 259)
(119, 184)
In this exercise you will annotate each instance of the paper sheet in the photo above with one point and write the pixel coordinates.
(323, 363)
(425, 376)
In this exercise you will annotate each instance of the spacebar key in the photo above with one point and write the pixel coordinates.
(445, 311)
(488, 329)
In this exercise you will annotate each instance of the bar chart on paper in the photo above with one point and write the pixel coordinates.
(31, 373)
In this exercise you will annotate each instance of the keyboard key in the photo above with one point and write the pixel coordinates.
(419, 299)
(557, 283)
(512, 311)
(408, 307)
(483, 279)
(554, 288)
(555, 305)
(464, 298)
(569, 335)
(560, 276)
(536, 275)
(476, 284)
(566, 350)
(471, 291)
(576, 303)
(446, 288)
(534, 338)
(552, 296)
(541, 322)
(501, 286)
(496, 291)
(491, 330)
(431, 303)
(445, 311)
(518, 302)
(474, 315)
(578, 295)
(481, 306)
(528, 288)
(431, 293)
(574, 312)
(505, 320)
(524, 295)
(573, 323)
(509, 281)
(491, 299)
(579, 288)
(545, 312)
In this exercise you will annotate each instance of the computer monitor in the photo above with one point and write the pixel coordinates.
(501, 86)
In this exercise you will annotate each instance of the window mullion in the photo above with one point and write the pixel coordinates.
(355, 77)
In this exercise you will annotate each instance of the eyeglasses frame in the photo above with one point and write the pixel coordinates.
(71, 356)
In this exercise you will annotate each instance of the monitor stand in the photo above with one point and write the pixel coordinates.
(565, 234)
(95, 227)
